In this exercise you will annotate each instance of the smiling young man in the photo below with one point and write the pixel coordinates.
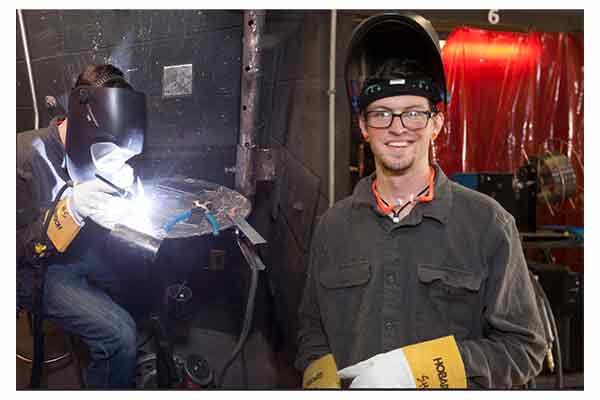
(399, 130)
(415, 281)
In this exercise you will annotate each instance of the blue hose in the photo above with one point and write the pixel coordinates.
(213, 222)
(187, 214)
(179, 218)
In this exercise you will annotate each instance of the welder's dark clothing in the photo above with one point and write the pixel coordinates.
(453, 266)
(78, 281)
(40, 175)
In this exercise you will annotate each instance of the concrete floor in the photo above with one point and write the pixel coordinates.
(264, 369)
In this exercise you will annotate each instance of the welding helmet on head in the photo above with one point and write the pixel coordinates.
(106, 127)
(382, 37)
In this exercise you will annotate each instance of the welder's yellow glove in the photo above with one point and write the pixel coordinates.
(321, 374)
(63, 226)
(433, 364)
(92, 199)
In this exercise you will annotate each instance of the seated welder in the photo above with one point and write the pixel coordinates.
(413, 281)
(70, 179)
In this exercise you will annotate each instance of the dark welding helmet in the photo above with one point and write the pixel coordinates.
(106, 127)
(401, 36)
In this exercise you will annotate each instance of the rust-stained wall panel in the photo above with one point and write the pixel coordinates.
(299, 197)
(307, 49)
(308, 127)
(281, 111)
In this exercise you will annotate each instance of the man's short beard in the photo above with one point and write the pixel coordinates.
(395, 168)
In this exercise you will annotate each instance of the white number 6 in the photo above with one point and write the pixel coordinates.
(493, 17)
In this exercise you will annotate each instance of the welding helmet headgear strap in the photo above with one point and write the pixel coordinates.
(103, 115)
(381, 37)
(375, 89)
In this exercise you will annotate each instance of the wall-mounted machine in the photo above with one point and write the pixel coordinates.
(547, 179)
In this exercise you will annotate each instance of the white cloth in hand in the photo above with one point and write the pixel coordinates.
(99, 201)
(384, 370)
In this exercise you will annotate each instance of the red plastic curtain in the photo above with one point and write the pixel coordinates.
(512, 95)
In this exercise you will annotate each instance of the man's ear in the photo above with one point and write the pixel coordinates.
(363, 128)
(438, 123)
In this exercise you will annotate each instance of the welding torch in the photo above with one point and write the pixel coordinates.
(124, 193)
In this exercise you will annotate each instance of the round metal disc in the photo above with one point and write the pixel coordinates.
(171, 198)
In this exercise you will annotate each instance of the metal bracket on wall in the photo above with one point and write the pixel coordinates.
(266, 162)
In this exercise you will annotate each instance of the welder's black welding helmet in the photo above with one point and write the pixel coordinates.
(100, 121)
(404, 36)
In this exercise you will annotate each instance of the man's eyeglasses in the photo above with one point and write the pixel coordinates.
(410, 119)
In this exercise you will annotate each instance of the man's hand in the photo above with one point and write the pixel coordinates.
(321, 374)
(432, 364)
(385, 370)
(99, 201)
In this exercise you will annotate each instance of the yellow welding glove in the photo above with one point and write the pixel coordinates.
(94, 199)
(321, 374)
(434, 364)
(63, 226)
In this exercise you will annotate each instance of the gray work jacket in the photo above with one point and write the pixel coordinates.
(40, 176)
(452, 266)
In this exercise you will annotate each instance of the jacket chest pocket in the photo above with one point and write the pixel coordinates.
(450, 298)
(344, 295)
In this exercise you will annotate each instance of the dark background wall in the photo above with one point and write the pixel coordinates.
(194, 134)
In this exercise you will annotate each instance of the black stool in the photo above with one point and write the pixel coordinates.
(69, 353)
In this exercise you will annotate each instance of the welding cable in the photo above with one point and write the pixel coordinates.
(184, 216)
(559, 382)
(179, 218)
(213, 222)
(245, 329)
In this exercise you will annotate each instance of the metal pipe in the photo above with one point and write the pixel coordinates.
(132, 243)
(245, 179)
(29, 70)
(331, 92)
(47, 362)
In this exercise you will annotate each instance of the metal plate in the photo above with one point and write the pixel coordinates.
(299, 197)
(177, 80)
(171, 197)
(249, 232)
(266, 164)
(275, 195)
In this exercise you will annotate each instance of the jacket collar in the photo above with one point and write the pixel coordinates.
(437, 209)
